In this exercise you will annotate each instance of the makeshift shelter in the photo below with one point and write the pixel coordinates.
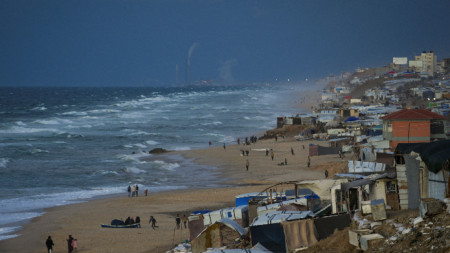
(238, 214)
(321, 187)
(222, 233)
(267, 229)
(426, 165)
(273, 207)
(316, 150)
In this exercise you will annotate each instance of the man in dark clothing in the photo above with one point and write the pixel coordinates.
(49, 244)
(69, 244)
(138, 221)
(178, 221)
(129, 191)
(153, 221)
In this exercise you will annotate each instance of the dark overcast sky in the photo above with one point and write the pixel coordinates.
(136, 43)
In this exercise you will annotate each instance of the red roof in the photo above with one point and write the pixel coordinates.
(413, 114)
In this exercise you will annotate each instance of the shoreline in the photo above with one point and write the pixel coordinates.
(83, 220)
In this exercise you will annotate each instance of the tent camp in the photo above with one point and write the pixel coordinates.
(224, 232)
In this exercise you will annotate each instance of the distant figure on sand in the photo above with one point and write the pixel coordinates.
(272, 155)
(292, 151)
(69, 243)
(326, 173)
(309, 161)
(224, 147)
(247, 164)
(146, 192)
(129, 191)
(178, 221)
(49, 243)
(153, 222)
(185, 220)
(75, 244)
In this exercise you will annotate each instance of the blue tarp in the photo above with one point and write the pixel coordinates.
(352, 118)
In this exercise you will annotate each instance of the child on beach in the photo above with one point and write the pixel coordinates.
(75, 244)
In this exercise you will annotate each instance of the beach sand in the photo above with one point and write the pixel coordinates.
(83, 220)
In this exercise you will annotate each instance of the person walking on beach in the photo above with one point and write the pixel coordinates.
(185, 220)
(178, 221)
(292, 151)
(247, 164)
(129, 191)
(49, 243)
(137, 190)
(326, 173)
(153, 222)
(309, 161)
(224, 147)
(69, 243)
(272, 155)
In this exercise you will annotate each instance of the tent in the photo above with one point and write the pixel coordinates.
(222, 233)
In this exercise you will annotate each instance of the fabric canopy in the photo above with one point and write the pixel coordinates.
(434, 154)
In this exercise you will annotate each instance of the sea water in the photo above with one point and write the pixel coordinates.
(60, 146)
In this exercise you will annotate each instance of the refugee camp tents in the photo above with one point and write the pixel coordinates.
(224, 232)
(273, 207)
(238, 214)
(267, 229)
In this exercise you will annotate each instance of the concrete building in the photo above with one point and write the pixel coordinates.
(413, 126)
(425, 62)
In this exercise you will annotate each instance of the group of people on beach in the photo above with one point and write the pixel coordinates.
(134, 191)
(178, 221)
(131, 220)
(72, 244)
(248, 140)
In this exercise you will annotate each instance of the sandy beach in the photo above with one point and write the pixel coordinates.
(83, 220)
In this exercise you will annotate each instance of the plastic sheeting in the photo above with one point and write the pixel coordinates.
(321, 187)
(434, 154)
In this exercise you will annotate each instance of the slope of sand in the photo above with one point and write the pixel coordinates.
(83, 220)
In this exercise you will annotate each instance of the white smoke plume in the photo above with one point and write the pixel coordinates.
(191, 50)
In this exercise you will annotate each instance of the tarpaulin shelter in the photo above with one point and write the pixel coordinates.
(267, 229)
(426, 165)
(351, 118)
(222, 233)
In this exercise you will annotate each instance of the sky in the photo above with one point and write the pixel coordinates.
(143, 43)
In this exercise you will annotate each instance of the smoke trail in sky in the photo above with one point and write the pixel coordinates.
(191, 50)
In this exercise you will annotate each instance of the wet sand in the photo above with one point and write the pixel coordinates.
(83, 220)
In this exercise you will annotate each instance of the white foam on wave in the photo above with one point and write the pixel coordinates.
(135, 158)
(207, 116)
(5, 232)
(133, 132)
(20, 123)
(39, 108)
(24, 208)
(54, 121)
(74, 113)
(151, 142)
(100, 111)
(4, 162)
(215, 123)
(134, 170)
(166, 166)
(24, 130)
(38, 150)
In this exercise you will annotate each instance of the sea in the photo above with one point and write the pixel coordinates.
(65, 145)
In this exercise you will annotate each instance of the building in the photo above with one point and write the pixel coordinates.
(413, 126)
(425, 63)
